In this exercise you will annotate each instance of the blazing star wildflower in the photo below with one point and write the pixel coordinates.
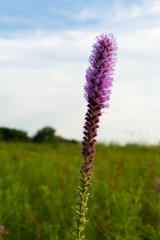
(3, 233)
(2, 229)
(97, 93)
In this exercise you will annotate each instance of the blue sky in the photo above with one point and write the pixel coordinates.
(44, 51)
(49, 15)
(80, 14)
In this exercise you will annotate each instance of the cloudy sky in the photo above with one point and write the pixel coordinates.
(44, 51)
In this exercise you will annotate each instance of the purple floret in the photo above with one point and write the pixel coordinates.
(99, 74)
(97, 92)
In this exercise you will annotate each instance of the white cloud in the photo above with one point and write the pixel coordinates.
(14, 20)
(154, 7)
(135, 11)
(140, 40)
(44, 46)
(87, 14)
(42, 75)
(131, 12)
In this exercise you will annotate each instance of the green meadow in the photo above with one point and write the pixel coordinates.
(38, 188)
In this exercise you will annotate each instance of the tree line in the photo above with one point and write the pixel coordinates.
(46, 134)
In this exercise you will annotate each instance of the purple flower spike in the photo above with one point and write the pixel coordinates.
(99, 74)
(97, 88)
(97, 93)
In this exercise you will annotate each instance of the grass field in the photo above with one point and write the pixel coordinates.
(38, 185)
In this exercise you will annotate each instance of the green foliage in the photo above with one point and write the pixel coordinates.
(38, 188)
(13, 135)
(46, 134)
(81, 209)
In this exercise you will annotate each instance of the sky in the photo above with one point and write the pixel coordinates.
(44, 51)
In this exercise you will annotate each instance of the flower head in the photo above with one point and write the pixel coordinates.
(99, 74)
(2, 229)
(97, 91)
(3, 232)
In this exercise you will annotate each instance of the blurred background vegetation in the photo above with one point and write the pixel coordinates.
(46, 134)
(38, 190)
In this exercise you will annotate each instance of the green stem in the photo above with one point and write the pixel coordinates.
(82, 200)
